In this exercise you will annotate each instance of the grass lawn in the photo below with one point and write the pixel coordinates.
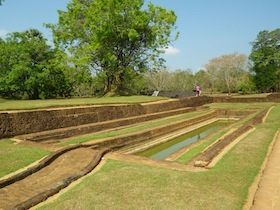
(37, 104)
(14, 157)
(125, 185)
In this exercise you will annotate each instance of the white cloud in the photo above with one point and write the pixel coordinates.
(3, 33)
(201, 68)
(172, 51)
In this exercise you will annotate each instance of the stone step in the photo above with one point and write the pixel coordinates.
(68, 132)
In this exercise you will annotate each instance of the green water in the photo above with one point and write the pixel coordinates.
(163, 150)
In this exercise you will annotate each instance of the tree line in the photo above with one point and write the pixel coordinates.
(114, 48)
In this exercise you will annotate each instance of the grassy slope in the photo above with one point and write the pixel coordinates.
(14, 157)
(123, 185)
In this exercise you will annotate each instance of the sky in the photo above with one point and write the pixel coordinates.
(208, 28)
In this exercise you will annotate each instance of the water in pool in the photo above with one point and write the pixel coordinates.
(162, 151)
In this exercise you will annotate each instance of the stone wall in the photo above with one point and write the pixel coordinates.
(14, 123)
(274, 97)
(130, 139)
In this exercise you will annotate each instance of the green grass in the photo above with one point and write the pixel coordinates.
(14, 156)
(37, 104)
(125, 185)
(132, 129)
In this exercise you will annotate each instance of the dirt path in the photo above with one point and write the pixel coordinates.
(267, 196)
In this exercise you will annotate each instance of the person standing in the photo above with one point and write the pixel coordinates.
(198, 90)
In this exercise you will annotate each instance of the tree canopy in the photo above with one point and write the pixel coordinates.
(27, 67)
(227, 69)
(116, 39)
(265, 55)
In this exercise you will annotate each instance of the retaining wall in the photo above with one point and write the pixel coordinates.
(14, 123)
(274, 97)
(125, 140)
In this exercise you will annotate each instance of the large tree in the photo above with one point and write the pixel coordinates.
(117, 39)
(266, 60)
(227, 70)
(182, 80)
(27, 67)
(202, 79)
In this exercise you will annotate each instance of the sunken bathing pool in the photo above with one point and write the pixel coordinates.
(162, 151)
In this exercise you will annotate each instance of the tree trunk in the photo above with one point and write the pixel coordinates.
(35, 94)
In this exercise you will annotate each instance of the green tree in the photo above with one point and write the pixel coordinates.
(202, 78)
(246, 83)
(27, 67)
(265, 55)
(182, 80)
(117, 39)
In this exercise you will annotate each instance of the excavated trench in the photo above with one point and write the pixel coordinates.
(122, 143)
(164, 149)
(169, 138)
